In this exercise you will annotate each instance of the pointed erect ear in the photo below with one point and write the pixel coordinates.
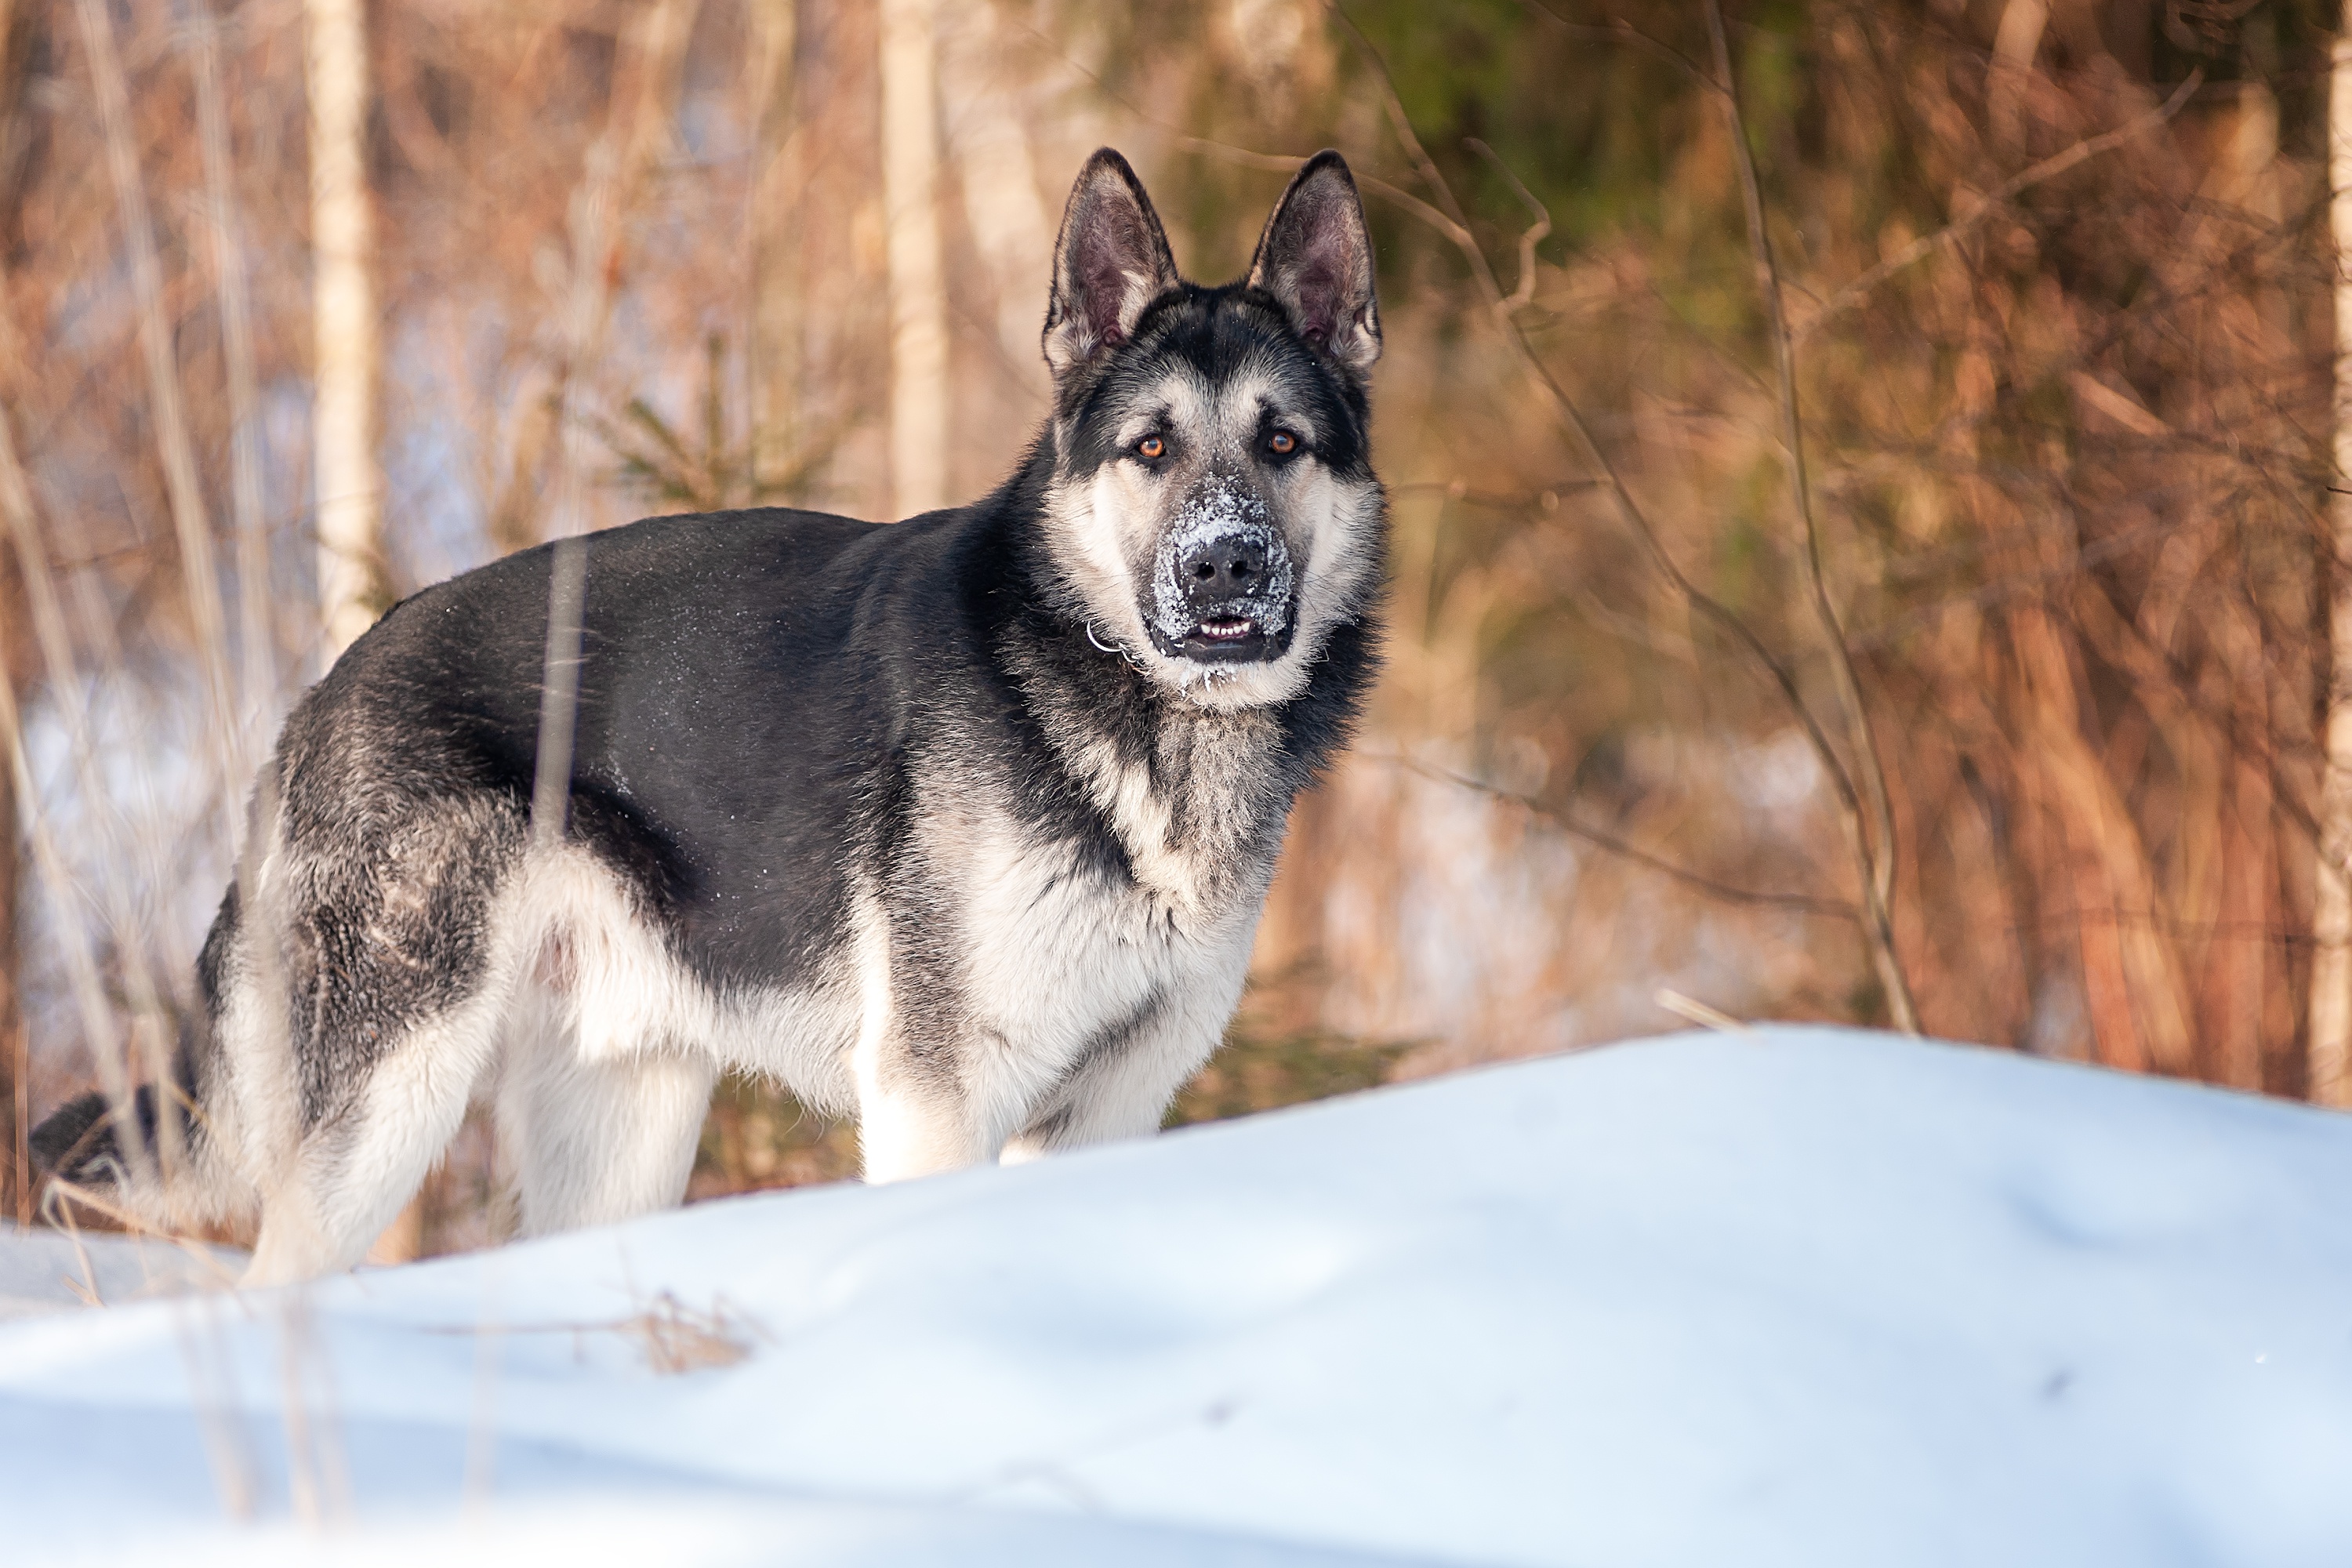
(1315, 256)
(1111, 261)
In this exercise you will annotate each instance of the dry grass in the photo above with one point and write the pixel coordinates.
(2055, 355)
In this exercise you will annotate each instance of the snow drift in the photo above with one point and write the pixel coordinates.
(1796, 1296)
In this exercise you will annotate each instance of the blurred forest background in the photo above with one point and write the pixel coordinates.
(2004, 712)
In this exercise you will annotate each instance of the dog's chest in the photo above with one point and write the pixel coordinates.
(1061, 949)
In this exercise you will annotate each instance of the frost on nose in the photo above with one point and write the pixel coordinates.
(1248, 574)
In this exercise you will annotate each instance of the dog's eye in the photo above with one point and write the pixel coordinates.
(1152, 448)
(1282, 443)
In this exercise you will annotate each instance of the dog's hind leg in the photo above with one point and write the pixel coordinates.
(381, 982)
(589, 1142)
(352, 1174)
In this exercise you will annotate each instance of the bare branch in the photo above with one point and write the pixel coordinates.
(81, 960)
(2049, 168)
(192, 527)
(1535, 234)
(1875, 852)
(256, 628)
(1571, 420)
(1601, 838)
(1621, 31)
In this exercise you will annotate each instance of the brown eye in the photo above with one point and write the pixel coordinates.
(1282, 443)
(1152, 448)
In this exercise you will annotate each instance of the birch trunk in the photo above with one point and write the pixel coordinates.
(545, 496)
(343, 318)
(16, 1195)
(2330, 1044)
(255, 626)
(15, 1181)
(774, 230)
(919, 314)
(1009, 226)
(350, 493)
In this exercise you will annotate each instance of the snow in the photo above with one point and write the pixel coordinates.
(1792, 1296)
(1219, 511)
(53, 1270)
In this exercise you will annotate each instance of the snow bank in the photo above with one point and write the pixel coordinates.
(1798, 1297)
(54, 1272)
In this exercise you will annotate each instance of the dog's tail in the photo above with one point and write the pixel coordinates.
(81, 1141)
(129, 1160)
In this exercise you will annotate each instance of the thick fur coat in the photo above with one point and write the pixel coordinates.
(960, 826)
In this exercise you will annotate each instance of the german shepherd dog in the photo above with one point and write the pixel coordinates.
(960, 825)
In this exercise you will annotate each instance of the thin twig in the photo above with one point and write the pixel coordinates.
(1698, 1012)
(1283, 162)
(1534, 235)
(2049, 168)
(1600, 839)
(81, 961)
(60, 1191)
(153, 1026)
(211, 1385)
(152, 1018)
(558, 691)
(1873, 852)
(1621, 31)
(192, 527)
(1571, 420)
(255, 634)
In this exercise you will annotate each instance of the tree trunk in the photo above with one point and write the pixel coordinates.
(16, 1172)
(15, 1199)
(257, 641)
(1009, 226)
(350, 487)
(918, 312)
(343, 313)
(545, 493)
(775, 351)
(2330, 1043)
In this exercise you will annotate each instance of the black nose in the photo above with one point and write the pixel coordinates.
(1229, 567)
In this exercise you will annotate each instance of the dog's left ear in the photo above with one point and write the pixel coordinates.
(1316, 258)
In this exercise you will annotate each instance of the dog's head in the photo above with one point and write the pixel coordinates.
(1211, 502)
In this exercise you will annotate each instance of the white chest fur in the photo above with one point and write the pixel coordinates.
(1064, 957)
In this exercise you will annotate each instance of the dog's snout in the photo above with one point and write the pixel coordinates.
(1222, 584)
(1229, 566)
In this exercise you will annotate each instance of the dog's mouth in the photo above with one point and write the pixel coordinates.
(1222, 584)
(1228, 639)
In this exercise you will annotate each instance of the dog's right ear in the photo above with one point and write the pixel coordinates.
(1111, 260)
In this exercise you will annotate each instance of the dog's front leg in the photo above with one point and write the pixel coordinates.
(913, 1118)
(917, 1115)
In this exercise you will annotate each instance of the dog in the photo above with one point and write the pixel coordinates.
(960, 825)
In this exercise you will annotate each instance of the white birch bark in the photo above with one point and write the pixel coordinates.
(537, 504)
(1009, 225)
(773, 227)
(2330, 1039)
(349, 491)
(256, 629)
(343, 320)
(919, 314)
